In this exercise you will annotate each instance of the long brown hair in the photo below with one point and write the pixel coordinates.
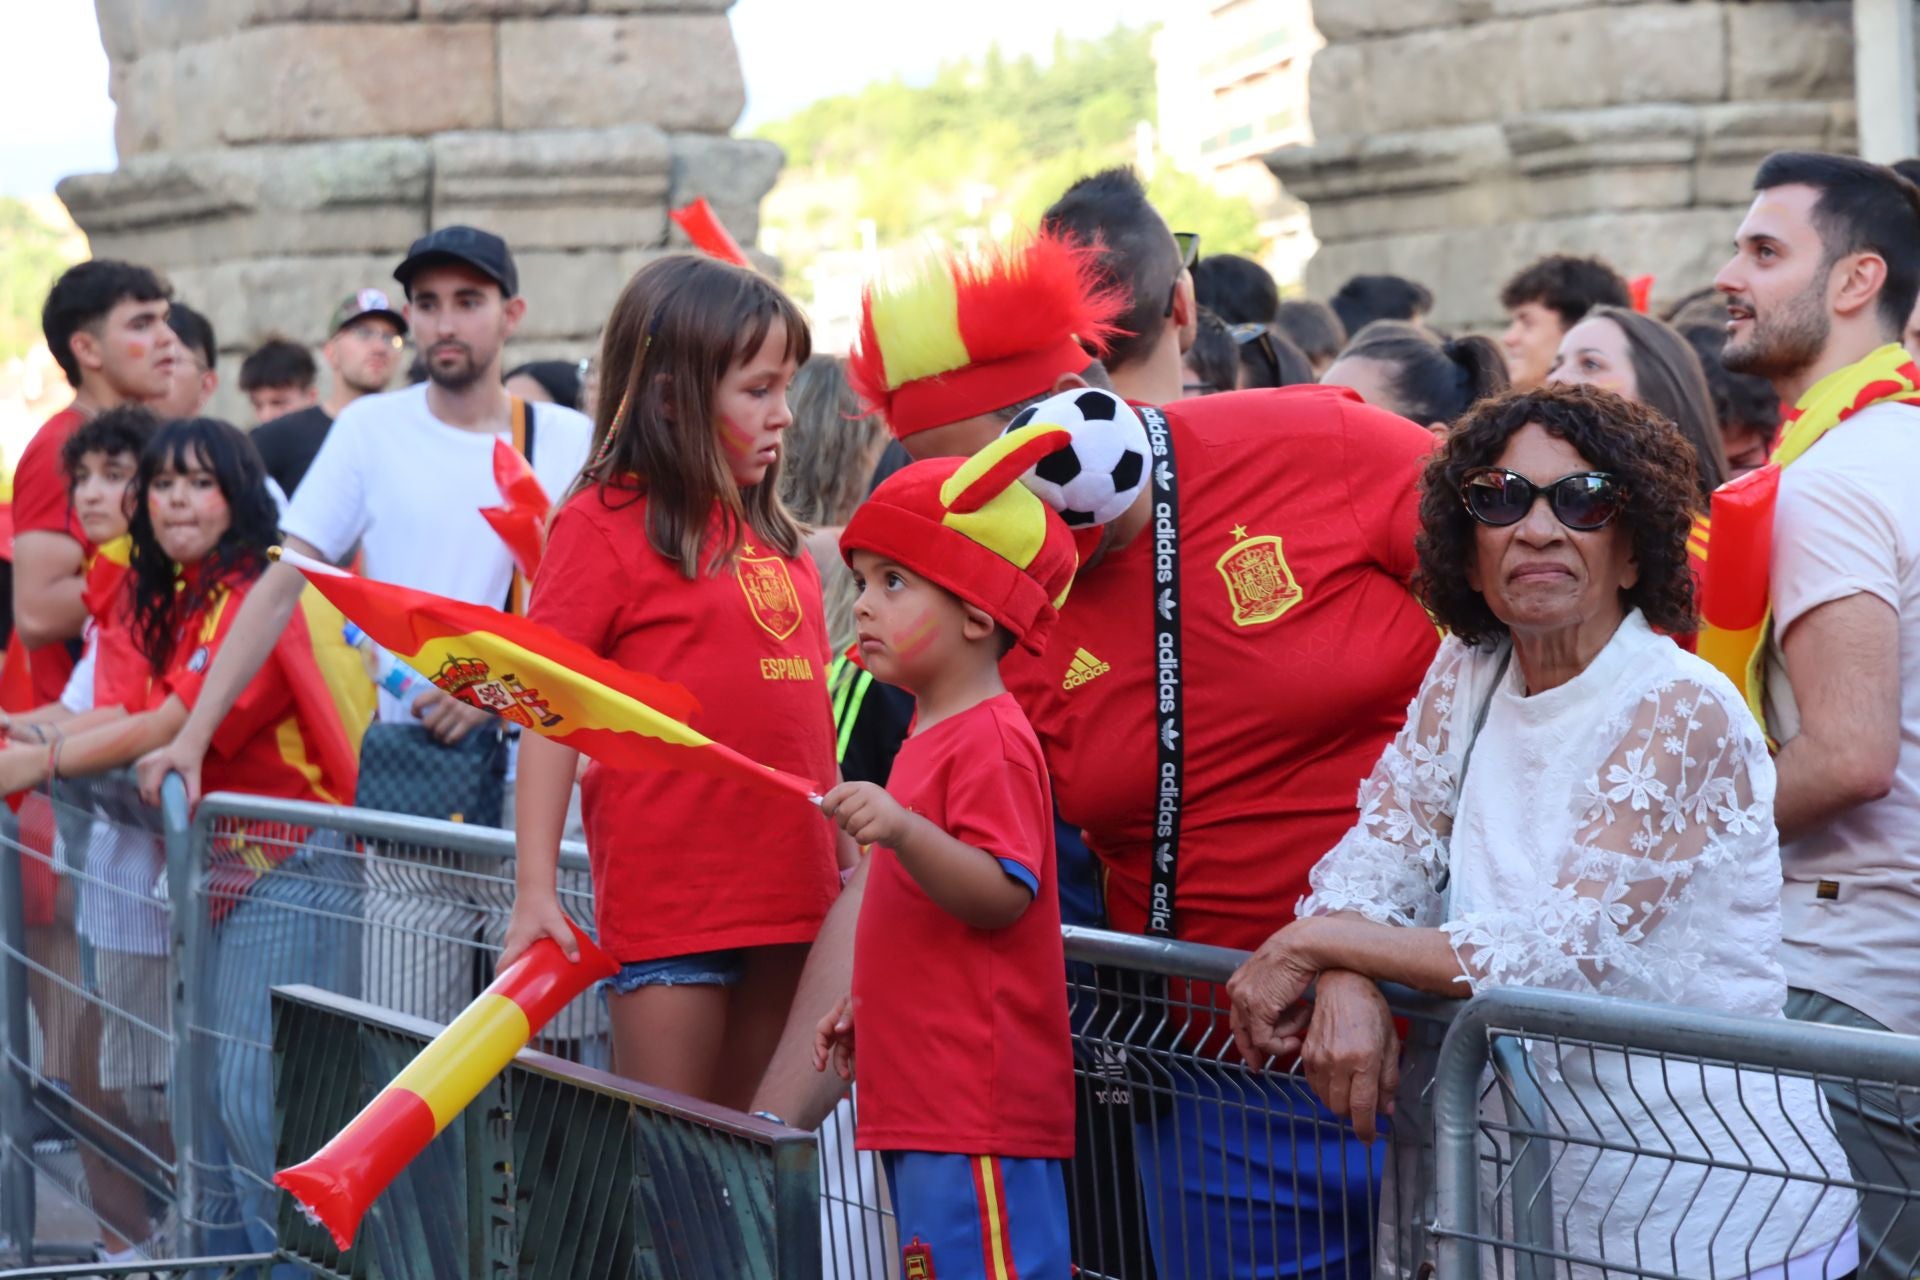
(1670, 381)
(678, 326)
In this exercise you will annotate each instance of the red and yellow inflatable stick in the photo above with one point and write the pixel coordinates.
(347, 1175)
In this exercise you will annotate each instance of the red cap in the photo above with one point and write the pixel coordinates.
(968, 525)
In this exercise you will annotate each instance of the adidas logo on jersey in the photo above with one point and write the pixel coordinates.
(1083, 668)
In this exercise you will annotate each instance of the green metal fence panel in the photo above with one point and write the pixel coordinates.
(556, 1170)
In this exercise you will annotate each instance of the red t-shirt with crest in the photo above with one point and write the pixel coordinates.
(684, 862)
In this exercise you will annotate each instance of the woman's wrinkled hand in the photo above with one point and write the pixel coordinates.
(1268, 1019)
(1351, 1056)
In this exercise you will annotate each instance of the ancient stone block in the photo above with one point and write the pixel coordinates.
(442, 9)
(734, 174)
(1361, 19)
(119, 29)
(1595, 57)
(1802, 49)
(143, 96)
(1338, 103)
(676, 70)
(1737, 136)
(658, 6)
(330, 10)
(314, 198)
(570, 293)
(556, 188)
(253, 297)
(1464, 76)
(332, 80)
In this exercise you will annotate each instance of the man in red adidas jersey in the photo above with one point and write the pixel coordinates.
(1259, 647)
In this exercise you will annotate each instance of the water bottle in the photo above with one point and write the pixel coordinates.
(382, 667)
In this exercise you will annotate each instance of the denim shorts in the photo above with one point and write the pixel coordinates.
(696, 968)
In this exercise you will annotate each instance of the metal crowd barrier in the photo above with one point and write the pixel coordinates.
(84, 982)
(1679, 1143)
(137, 1060)
(555, 1171)
(136, 1034)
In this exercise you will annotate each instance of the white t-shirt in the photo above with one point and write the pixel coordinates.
(408, 488)
(77, 697)
(1848, 521)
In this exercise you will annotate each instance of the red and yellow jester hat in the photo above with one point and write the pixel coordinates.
(960, 335)
(970, 526)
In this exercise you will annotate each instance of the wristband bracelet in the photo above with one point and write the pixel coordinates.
(39, 733)
(53, 759)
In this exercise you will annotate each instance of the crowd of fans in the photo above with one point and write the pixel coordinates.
(1642, 819)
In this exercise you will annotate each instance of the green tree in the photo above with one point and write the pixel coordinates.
(991, 135)
(32, 254)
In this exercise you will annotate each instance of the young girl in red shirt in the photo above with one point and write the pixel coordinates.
(674, 555)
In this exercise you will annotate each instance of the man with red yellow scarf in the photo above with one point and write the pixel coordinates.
(1825, 274)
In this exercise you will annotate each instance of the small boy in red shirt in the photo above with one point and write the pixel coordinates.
(965, 1057)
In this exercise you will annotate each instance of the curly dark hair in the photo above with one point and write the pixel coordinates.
(160, 604)
(1649, 457)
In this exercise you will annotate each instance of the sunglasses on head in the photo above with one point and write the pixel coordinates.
(1584, 501)
(1188, 243)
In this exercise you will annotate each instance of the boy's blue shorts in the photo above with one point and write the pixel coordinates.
(979, 1217)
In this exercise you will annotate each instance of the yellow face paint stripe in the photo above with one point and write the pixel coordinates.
(458, 1064)
(991, 1210)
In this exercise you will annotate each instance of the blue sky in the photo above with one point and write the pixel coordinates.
(56, 117)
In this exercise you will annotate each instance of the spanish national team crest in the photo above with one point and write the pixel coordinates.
(770, 594)
(1259, 582)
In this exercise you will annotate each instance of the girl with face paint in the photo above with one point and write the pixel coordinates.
(674, 555)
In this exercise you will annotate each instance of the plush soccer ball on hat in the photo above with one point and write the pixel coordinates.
(1098, 474)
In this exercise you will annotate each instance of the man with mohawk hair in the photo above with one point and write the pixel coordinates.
(1254, 645)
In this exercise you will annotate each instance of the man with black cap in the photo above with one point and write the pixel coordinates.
(404, 474)
(364, 341)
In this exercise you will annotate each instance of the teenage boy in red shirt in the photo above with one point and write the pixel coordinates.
(106, 325)
(966, 1066)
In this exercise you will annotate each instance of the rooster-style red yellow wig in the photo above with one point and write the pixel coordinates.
(960, 335)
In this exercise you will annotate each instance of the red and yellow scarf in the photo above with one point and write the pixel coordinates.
(1735, 599)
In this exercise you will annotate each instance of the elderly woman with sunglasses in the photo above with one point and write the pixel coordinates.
(1614, 836)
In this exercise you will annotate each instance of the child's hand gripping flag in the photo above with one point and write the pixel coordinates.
(521, 517)
(540, 680)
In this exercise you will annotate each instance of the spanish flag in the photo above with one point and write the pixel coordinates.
(538, 679)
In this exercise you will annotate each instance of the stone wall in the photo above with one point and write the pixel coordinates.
(275, 155)
(1460, 139)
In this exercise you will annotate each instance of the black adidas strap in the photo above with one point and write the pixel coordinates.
(1168, 719)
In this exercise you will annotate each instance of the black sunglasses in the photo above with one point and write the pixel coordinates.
(1585, 500)
(1262, 339)
(1188, 243)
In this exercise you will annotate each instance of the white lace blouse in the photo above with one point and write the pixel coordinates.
(1615, 836)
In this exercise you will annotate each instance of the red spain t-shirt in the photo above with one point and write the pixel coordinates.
(961, 1039)
(683, 862)
(121, 673)
(42, 503)
(263, 747)
(1301, 647)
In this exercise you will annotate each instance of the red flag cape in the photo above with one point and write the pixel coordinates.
(539, 679)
